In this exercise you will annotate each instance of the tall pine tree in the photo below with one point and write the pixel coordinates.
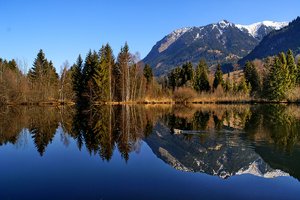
(292, 68)
(201, 82)
(91, 64)
(175, 78)
(44, 79)
(12, 65)
(277, 82)
(39, 67)
(102, 76)
(187, 73)
(109, 62)
(77, 78)
(148, 74)
(124, 62)
(218, 80)
(252, 77)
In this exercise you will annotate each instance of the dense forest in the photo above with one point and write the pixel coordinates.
(102, 78)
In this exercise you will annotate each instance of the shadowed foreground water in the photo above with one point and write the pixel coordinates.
(150, 152)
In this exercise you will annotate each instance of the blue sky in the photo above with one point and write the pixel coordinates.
(66, 28)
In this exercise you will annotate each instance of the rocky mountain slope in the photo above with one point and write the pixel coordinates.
(278, 41)
(222, 42)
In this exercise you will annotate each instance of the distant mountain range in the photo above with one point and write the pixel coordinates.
(222, 42)
(278, 41)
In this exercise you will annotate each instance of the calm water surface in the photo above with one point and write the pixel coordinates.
(150, 152)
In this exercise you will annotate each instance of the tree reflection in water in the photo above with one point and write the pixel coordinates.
(103, 130)
(100, 129)
(268, 132)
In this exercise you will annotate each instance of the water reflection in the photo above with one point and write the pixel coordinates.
(104, 128)
(215, 139)
(100, 130)
(231, 140)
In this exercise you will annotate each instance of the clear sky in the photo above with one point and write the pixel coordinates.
(66, 28)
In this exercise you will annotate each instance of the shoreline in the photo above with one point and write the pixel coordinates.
(168, 102)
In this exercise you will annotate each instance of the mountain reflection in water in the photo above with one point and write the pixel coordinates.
(233, 139)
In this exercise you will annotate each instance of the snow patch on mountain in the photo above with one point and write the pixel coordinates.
(171, 38)
(253, 29)
(221, 26)
(224, 24)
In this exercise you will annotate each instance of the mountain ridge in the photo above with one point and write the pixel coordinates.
(222, 42)
(255, 28)
(277, 41)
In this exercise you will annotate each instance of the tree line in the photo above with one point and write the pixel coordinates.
(100, 78)
(274, 78)
(201, 80)
(41, 84)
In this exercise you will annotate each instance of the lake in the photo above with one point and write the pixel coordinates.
(150, 152)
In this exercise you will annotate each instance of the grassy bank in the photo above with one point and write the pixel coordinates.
(199, 99)
(42, 103)
(225, 100)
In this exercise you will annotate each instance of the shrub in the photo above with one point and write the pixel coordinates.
(184, 95)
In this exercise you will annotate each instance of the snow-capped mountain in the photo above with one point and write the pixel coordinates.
(278, 41)
(222, 42)
(261, 29)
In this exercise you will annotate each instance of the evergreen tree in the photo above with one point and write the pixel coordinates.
(235, 87)
(117, 82)
(187, 72)
(218, 80)
(87, 68)
(39, 67)
(44, 78)
(52, 75)
(285, 73)
(102, 77)
(244, 87)
(175, 77)
(12, 65)
(77, 78)
(172, 80)
(228, 86)
(91, 64)
(52, 80)
(201, 82)
(292, 67)
(252, 77)
(124, 62)
(148, 74)
(109, 62)
(277, 82)
(43, 69)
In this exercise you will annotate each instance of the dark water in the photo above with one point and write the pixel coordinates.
(150, 152)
